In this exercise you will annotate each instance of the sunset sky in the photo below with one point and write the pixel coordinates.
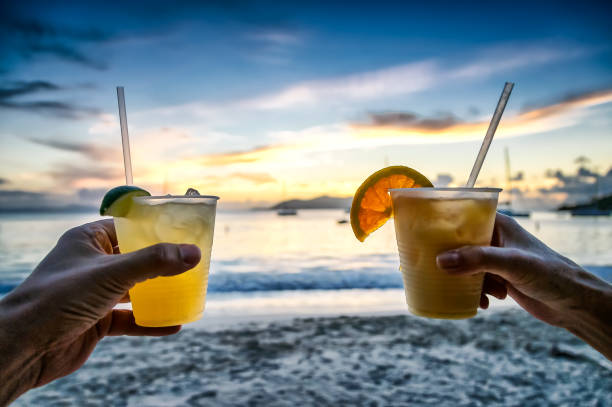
(258, 102)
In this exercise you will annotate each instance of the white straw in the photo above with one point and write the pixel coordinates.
(499, 110)
(125, 137)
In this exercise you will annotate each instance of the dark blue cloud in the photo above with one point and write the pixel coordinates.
(11, 92)
(582, 186)
(19, 88)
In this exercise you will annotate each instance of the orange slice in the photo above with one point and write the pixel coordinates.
(371, 206)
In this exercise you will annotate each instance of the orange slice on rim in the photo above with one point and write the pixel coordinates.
(371, 206)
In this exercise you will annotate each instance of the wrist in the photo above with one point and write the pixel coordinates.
(18, 356)
(588, 317)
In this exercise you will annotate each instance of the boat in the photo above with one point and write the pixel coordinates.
(513, 213)
(590, 212)
(505, 208)
(286, 212)
(282, 210)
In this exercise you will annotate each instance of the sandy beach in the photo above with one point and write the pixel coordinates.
(503, 357)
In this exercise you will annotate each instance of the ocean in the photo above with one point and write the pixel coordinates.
(259, 252)
(301, 313)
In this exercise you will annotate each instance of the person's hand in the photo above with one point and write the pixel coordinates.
(549, 286)
(50, 324)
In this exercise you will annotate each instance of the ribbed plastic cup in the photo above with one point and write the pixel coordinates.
(175, 300)
(429, 221)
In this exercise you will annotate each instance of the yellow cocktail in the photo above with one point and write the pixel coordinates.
(429, 221)
(166, 301)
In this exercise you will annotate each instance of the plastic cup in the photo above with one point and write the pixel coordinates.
(176, 300)
(429, 221)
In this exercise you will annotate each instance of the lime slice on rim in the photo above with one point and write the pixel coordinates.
(117, 201)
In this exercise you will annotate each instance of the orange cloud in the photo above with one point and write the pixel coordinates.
(247, 156)
(535, 120)
(257, 178)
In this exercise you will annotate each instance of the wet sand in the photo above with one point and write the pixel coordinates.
(502, 357)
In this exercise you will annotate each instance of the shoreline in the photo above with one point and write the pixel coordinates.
(228, 309)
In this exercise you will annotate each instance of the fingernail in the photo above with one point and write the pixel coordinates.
(190, 254)
(448, 259)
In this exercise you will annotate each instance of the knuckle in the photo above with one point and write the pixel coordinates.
(72, 233)
(475, 255)
(165, 254)
(515, 255)
(505, 219)
(505, 223)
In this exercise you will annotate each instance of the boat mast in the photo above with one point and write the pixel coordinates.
(508, 176)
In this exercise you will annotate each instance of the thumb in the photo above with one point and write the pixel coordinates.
(163, 259)
(513, 265)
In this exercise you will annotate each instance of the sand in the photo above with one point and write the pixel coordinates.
(498, 358)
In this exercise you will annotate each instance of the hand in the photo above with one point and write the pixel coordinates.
(549, 286)
(50, 324)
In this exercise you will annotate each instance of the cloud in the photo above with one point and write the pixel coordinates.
(89, 150)
(511, 57)
(38, 29)
(276, 36)
(400, 128)
(443, 180)
(408, 78)
(54, 108)
(26, 38)
(3, 181)
(585, 172)
(74, 175)
(91, 194)
(412, 120)
(17, 89)
(247, 156)
(582, 186)
(67, 53)
(518, 177)
(401, 79)
(380, 84)
(22, 199)
(272, 45)
(256, 177)
(106, 125)
(409, 127)
(19, 194)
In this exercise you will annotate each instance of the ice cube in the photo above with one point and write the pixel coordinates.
(181, 224)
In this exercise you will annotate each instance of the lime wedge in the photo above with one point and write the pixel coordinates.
(117, 201)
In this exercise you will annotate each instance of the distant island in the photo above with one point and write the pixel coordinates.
(322, 202)
(603, 203)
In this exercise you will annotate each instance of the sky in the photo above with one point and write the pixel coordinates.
(257, 102)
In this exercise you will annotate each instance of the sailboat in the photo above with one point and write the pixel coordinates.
(284, 210)
(506, 207)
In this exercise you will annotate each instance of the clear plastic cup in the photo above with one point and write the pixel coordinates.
(429, 221)
(176, 300)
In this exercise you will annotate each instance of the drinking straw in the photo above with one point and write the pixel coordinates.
(499, 110)
(125, 137)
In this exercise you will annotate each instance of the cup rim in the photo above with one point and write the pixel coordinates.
(186, 198)
(459, 189)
